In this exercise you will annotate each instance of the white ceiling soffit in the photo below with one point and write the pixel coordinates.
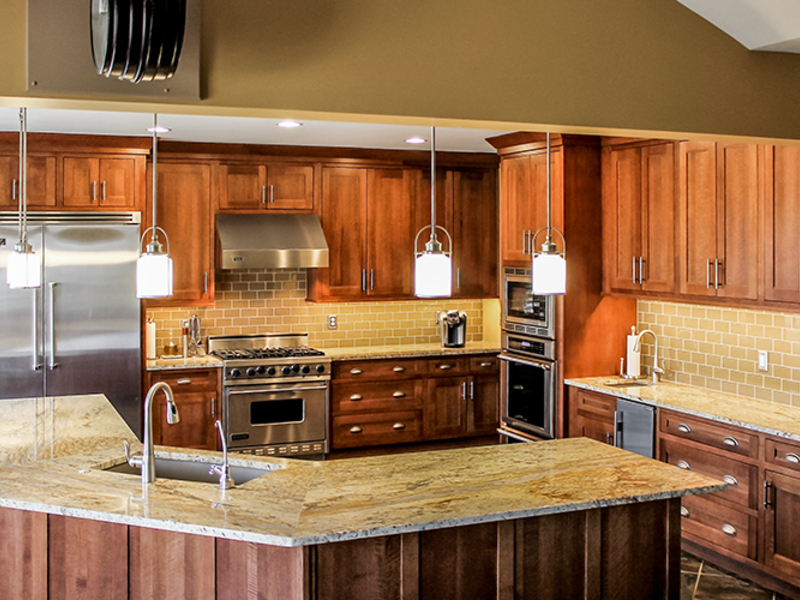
(772, 25)
(246, 130)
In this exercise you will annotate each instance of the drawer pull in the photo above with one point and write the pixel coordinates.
(355, 429)
(730, 480)
(684, 512)
(356, 397)
(399, 394)
(684, 428)
(445, 367)
(730, 441)
(356, 371)
(793, 458)
(682, 464)
(487, 364)
(399, 369)
(399, 426)
(729, 529)
(184, 381)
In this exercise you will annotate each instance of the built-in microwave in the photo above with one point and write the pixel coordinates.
(522, 311)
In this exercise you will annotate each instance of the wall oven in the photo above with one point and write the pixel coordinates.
(522, 311)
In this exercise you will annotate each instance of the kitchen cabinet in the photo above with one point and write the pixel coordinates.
(591, 415)
(198, 398)
(781, 210)
(782, 507)
(266, 186)
(639, 217)
(718, 219)
(41, 182)
(184, 213)
(102, 183)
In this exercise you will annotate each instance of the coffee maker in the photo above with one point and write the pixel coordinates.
(454, 328)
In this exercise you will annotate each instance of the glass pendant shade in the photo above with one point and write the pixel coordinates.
(433, 275)
(153, 275)
(549, 274)
(23, 270)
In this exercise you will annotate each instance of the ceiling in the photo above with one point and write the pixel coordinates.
(772, 25)
(247, 130)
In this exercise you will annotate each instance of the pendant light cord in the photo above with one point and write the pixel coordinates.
(549, 236)
(23, 177)
(155, 182)
(433, 183)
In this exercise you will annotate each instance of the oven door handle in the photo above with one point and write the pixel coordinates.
(539, 365)
(275, 391)
(515, 436)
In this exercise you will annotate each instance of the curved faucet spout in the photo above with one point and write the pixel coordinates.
(656, 369)
(148, 450)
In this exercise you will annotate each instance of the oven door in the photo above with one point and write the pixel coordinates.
(528, 395)
(276, 414)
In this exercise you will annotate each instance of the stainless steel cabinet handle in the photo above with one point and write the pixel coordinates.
(634, 269)
(104, 190)
(464, 390)
(524, 242)
(94, 191)
(730, 441)
(271, 194)
(472, 390)
(684, 428)
(793, 458)
(363, 280)
(356, 397)
(682, 464)
(729, 529)
(213, 407)
(730, 480)
(263, 194)
(641, 269)
(356, 429)
(487, 364)
(608, 438)
(458, 278)
(708, 273)
(399, 369)
(52, 364)
(717, 263)
(399, 395)
(184, 381)
(37, 363)
(205, 282)
(684, 511)
(372, 279)
(399, 426)
(13, 189)
(767, 501)
(356, 371)
(445, 367)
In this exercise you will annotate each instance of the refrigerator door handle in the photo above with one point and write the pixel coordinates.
(37, 357)
(52, 364)
(618, 429)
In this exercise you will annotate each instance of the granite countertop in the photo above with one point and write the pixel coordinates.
(757, 415)
(409, 351)
(193, 362)
(300, 502)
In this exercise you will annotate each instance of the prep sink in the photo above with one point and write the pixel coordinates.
(627, 383)
(193, 470)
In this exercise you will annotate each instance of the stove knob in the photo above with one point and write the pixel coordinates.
(286, 370)
(234, 373)
(320, 368)
(251, 372)
(306, 369)
(271, 371)
(261, 369)
(296, 368)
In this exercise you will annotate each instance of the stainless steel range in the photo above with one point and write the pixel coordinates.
(275, 391)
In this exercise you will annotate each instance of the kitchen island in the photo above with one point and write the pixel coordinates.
(561, 519)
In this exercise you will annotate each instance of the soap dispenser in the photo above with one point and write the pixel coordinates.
(633, 361)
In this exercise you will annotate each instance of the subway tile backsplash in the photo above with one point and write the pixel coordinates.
(273, 301)
(717, 348)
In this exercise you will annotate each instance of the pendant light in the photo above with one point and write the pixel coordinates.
(549, 266)
(154, 267)
(433, 269)
(23, 269)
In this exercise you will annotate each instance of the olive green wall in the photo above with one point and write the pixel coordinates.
(635, 64)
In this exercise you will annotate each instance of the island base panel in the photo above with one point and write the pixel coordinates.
(23, 554)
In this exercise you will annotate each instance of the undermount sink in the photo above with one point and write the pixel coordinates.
(628, 383)
(193, 470)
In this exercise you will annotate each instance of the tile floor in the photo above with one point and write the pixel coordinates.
(703, 581)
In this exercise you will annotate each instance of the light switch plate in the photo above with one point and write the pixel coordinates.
(333, 322)
(763, 360)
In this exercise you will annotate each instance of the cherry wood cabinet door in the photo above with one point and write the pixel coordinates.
(698, 214)
(446, 407)
(101, 183)
(118, 182)
(737, 218)
(41, 182)
(197, 396)
(782, 516)
(483, 417)
(517, 209)
(184, 212)
(658, 218)
(781, 215)
(80, 182)
(390, 235)
(475, 234)
(242, 186)
(591, 415)
(622, 205)
(290, 187)
(344, 221)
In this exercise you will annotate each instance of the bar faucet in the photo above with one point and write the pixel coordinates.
(147, 461)
(656, 369)
(223, 470)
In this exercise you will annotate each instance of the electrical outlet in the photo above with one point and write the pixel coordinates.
(763, 360)
(333, 322)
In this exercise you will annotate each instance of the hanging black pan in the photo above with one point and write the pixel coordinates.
(102, 26)
(135, 38)
(120, 38)
(175, 23)
(152, 56)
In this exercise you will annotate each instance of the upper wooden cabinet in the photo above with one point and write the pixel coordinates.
(718, 219)
(781, 210)
(102, 183)
(267, 186)
(639, 217)
(41, 179)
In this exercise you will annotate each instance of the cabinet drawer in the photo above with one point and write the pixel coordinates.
(375, 396)
(783, 453)
(593, 405)
(736, 441)
(400, 427)
(448, 367)
(740, 477)
(484, 365)
(187, 381)
(378, 369)
(720, 525)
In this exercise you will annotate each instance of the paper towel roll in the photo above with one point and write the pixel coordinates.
(150, 339)
(634, 365)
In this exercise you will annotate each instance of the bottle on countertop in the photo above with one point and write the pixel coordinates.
(185, 334)
(634, 365)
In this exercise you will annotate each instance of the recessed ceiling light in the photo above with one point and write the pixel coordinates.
(416, 140)
(289, 124)
(158, 129)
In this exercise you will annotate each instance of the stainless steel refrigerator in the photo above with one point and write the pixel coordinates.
(79, 333)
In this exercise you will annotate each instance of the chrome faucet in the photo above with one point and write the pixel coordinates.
(147, 461)
(223, 470)
(656, 369)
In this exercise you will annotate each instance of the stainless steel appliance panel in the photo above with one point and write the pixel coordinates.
(21, 374)
(522, 311)
(634, 424)
(528, 392)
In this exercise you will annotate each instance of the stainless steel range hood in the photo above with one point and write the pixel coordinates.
(271, 242)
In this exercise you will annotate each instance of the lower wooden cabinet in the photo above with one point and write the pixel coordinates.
(591, 415)
(782, 523)
(724, 527)
(197, 396)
